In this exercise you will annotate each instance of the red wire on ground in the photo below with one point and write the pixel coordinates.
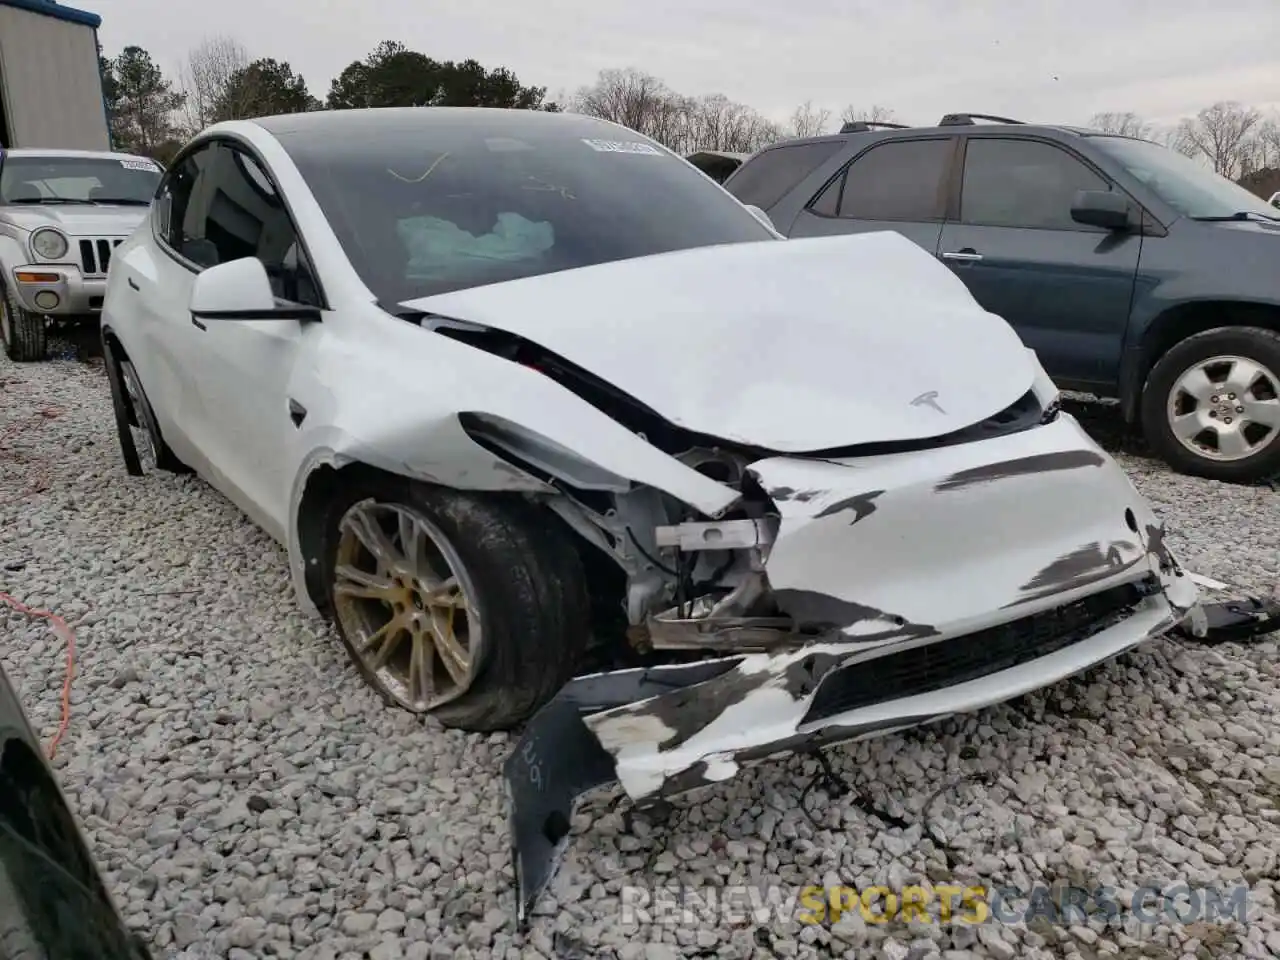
(69, 638)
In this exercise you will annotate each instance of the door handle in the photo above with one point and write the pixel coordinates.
(965, 256)
(134, 284)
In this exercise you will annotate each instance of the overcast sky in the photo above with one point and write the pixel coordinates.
(1048, 60)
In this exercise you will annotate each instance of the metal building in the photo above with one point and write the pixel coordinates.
(50, 83)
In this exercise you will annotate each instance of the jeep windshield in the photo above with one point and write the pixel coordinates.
(81, 180)
(1191, 189)
(435, 201)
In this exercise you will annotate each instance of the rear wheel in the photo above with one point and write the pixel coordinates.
(1211, 406)
(470, 608)
(24, 333)
(141, 445)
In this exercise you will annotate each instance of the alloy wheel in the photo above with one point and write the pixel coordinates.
(406, 605)
(1225, 408)
(143, 441)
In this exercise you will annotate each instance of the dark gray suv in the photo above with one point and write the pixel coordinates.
(1133, 271)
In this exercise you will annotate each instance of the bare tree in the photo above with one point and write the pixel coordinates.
(717, 123)
(205, 76)
(806, 121)
(634, 99)
(1225, 135)
(876, 114)
(1269, 142)
(1126, 124)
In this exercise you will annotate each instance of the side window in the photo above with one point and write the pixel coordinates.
(174, 195)
(1022, 183)
(232, 210)
(895, 180)
(765, 178)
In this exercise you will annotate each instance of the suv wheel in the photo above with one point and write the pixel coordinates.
(23, 332)
(1211, 406)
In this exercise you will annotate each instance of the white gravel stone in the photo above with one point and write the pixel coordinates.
(247, 796)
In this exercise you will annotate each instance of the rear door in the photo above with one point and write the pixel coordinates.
(1065, 287)
(898, 184)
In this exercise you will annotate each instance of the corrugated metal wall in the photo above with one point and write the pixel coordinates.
(49, 76)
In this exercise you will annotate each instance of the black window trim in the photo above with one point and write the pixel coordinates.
(944, 186)
(957, 192)
(841, 145)
(236, 143)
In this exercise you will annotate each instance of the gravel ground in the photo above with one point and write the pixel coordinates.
(247, 796)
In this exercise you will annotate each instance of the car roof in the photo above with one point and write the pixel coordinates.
(68, 154)
(340, 124)
(951, 125)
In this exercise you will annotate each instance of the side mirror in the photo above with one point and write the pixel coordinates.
(1101, 208)
(241, 290)
(761, 216)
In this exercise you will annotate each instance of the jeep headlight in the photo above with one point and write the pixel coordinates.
(49, 244)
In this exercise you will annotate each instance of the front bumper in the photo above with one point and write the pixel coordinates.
(946, 580)
(74, 293)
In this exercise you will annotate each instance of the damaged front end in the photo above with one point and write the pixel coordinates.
(869, 594)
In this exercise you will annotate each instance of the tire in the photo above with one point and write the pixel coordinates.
(141, 445)
(25, 334)
(1232, 446)
(523, 585)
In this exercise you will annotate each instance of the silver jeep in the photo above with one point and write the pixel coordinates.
(62, 214)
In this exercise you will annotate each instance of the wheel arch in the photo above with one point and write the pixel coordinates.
(1180, 321)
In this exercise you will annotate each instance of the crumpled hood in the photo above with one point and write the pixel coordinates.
(76, 220)
(794, 345)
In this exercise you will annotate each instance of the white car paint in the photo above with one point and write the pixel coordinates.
(795, 326)
(790, 346)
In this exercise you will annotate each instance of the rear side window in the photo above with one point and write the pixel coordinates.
(1023, 183)
(765, 178)
(895, 180)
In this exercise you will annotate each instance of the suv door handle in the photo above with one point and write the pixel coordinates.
(966, 255)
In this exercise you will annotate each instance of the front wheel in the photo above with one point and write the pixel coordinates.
(1211, 405)
(25, 334)
(471, 608)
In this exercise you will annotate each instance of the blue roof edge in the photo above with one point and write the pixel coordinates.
(57, 11)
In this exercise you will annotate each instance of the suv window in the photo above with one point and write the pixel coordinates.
(894, 180)
(765, 178)
(1023, 183)
(219, 205)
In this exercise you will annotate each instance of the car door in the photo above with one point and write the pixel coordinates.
(242, 408)
(159, 272)
(897, 185)
(1064, 286)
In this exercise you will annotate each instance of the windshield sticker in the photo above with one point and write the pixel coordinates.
(139, 165)
(623, 146)
(505, 144)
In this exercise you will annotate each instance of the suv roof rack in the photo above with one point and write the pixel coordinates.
(862, 126)
(967, 119)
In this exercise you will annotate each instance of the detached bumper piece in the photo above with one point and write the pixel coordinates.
(558, 760)
(1236, 621)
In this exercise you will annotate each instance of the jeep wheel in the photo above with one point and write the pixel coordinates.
(471, 608)
(1211, 406)
(23, 332)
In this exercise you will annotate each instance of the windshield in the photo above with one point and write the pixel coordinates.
(1191, 189)
(53, 180)
(443, 202)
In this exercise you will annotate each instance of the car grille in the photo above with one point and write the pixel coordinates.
(95, 255)
(945, 663)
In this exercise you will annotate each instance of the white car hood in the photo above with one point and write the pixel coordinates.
(108, 220)
(793, 346)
